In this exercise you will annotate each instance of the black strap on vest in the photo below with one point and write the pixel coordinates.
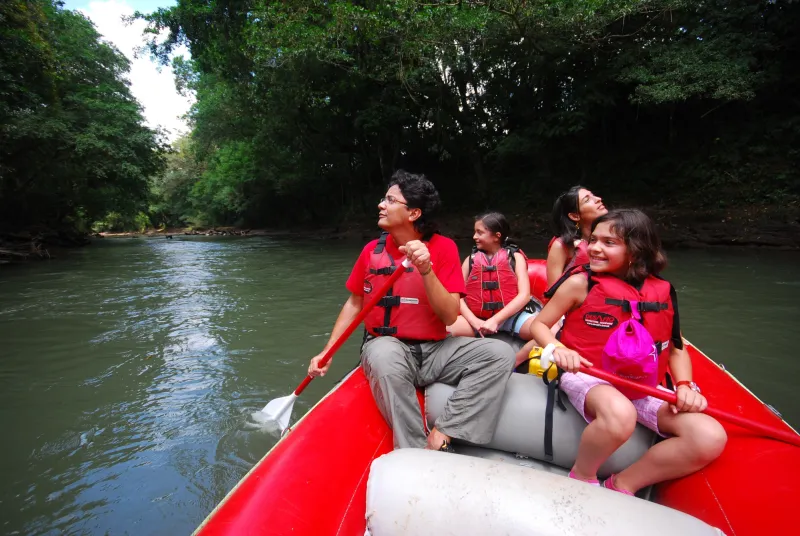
(553, 398)
(389, 300)
(652, 307)
(512, 249)
(491, 285)
(379, 247)
(492, 306)
(549, 293)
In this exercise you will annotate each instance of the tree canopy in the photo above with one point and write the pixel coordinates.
(305, 108)
(73, 145)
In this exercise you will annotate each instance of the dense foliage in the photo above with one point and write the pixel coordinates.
(72, 142)
(304, 108)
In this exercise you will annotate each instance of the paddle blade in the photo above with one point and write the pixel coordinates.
(277, 413)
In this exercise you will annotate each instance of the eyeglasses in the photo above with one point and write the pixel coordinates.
(391, 200)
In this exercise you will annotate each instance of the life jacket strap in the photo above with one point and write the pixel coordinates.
(512, 260)
(491, 285)
(549, 293)
(379, 247)
(642, 307)
(385, 330)
(492, 306)
(389, 301)
(553, 399)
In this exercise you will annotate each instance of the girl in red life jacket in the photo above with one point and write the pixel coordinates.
(625, 254)
(573, 214)
(497, 283)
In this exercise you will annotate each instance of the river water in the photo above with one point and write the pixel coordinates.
(130, 368)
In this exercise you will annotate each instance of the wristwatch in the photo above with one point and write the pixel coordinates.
(693, 386)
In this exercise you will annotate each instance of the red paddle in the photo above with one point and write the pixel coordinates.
(279, 411)
(748, 424)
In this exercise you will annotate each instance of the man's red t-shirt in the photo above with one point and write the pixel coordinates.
(444, 256)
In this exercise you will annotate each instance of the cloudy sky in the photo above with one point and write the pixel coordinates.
(152, 85)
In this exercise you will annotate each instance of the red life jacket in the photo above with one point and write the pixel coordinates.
(404, 312)
(491, 283)
(587, 328)
(580, 253)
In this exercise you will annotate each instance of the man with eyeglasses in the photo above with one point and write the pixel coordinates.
(406, 343)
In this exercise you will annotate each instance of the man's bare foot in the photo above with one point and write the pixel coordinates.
(436, 440)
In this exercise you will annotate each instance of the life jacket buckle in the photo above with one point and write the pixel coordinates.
(389, 301)
(388, 270)
(492, 306)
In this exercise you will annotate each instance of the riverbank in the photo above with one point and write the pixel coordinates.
(755, 226)
(37, 243)
(763, 226)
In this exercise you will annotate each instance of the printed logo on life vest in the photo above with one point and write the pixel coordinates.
(367, 287)
(600, 320)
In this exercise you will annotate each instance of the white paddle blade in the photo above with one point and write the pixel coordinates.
(279, 411)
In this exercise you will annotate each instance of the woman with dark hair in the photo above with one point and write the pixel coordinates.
(622, 317)
(573, 214)
(497, 283)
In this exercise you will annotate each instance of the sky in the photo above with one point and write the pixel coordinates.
(151, 84)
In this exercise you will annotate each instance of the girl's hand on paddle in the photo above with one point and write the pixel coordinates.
(417, 252)
(689, 401)
(569, 360)
(489, 327)
(314, 369)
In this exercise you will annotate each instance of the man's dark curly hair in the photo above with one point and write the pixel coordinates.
(419, 193)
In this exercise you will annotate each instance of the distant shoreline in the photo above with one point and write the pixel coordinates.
(679, 228)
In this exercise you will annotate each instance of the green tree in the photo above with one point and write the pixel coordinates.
(74, 145)
(305, 108)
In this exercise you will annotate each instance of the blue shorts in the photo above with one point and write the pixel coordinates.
(515, 323)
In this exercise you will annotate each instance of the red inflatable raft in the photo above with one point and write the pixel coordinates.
(314, 481)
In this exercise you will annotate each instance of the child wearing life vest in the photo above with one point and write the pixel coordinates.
(497, 283)
(622, 317)
(573, 214)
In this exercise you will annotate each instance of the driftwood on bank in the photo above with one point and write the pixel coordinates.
(215, 232)
(22, 251)
(35, 244)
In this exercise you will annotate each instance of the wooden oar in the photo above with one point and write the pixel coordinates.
(668, 396)
(279, 411)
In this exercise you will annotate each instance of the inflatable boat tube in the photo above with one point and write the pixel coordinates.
(415, 491)
(520, 428)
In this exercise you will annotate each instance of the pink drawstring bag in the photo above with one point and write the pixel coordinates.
(630, 353)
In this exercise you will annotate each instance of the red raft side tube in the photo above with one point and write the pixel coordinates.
(314, 481)
(537, 272)
(752, 489)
